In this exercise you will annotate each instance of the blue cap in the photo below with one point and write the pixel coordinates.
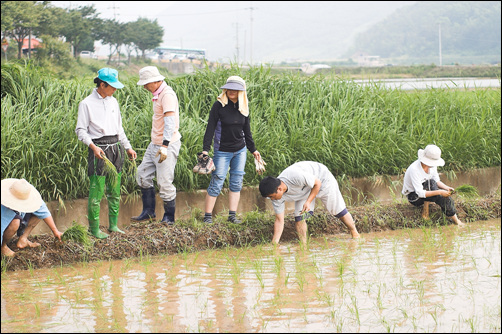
(110, 76)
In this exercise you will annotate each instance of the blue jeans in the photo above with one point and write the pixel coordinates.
(222, 161)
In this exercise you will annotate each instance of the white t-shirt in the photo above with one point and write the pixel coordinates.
(415, 176)
(300, 179)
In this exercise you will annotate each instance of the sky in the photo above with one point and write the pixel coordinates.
(253, 31)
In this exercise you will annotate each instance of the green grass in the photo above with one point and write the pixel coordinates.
(355, 131)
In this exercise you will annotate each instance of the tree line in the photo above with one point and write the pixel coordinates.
(76, 29)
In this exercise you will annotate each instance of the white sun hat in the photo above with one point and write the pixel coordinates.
(19, 195)
(149, 74)
(431, 156)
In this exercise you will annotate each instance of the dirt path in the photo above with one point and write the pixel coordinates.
(192, 235)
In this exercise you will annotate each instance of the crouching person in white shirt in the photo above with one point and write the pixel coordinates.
(302, 183)
(422, 185)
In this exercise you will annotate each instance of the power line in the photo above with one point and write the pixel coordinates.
(251, 31)
(114, 13)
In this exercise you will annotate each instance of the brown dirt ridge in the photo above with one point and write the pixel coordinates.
(155, 238)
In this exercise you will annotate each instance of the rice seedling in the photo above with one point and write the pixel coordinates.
(466, 190)
(77, 233)
(110, 171)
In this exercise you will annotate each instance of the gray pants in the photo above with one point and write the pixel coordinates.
(164, 171)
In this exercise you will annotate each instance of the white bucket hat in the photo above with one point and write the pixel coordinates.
(149, 74)
(19, 195)
(431, 156)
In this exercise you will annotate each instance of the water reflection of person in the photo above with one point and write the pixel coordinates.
(422, 184)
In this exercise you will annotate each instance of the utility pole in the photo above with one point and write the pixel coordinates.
(440, 57)
(237, 41)
(244, 53)
(114, 13)
(251, 31)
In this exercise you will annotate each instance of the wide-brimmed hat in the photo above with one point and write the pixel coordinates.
(110, 76)
(149, 74)
(19, 195)
(431, 156)
(235, 83)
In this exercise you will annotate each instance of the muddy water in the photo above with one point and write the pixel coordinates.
(443, 279)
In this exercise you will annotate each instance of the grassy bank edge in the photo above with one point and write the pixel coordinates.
(146, 239)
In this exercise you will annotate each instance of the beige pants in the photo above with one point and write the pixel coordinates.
(164, 171)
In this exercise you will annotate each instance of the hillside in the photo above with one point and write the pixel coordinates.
(469, 32)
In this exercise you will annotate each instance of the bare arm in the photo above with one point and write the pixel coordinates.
(278, 227)
(313, 193)
(50, 222)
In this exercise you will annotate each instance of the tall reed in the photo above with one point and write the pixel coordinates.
(356, 131)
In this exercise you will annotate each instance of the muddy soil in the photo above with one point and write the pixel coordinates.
(153, 238)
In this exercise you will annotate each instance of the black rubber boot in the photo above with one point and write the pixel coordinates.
(148, 196)
(169, 210)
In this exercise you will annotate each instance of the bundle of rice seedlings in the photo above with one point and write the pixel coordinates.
(466, 190)
(111, 171)
(77, 233)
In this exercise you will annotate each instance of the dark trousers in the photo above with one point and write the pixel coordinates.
(446, 203)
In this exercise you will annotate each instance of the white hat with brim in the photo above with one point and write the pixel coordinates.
(235, 83)
(19, 195)
(149, 74)
(431, 156)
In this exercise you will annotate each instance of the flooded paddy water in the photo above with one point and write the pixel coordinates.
(439, 279)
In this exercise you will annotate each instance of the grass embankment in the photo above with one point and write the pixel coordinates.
(355, 131)
(153, 238)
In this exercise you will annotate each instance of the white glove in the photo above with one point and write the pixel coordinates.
(163, 154)
(259, 165)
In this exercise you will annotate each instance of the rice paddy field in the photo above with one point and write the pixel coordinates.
(430, 278)
(441, 279)
(355, 130)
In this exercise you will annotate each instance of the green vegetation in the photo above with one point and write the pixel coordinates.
(356, 131)
(470, 32)
(466, 190)
(77, 233)
(79, 27)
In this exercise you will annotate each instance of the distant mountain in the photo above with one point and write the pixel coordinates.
(280, 30)
(465, 30)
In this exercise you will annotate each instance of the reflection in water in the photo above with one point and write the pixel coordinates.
(444, 279)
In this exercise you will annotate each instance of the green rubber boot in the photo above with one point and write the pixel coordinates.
(113, 225)
(95, 231)
(96, 190)
(113, 197)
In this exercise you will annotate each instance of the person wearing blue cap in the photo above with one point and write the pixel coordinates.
(99, 126)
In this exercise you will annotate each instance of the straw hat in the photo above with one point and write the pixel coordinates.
(431, 156)
(19, 195)
(149, 74)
